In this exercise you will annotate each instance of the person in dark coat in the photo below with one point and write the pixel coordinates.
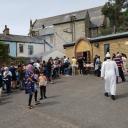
(81, 65)
(1, 84)
(12, 69)
(49, 70)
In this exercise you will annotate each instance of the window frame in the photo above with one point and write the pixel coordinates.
(21, 49)
(30, 49)
(106, 48)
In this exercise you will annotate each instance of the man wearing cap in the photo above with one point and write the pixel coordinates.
(109, 72)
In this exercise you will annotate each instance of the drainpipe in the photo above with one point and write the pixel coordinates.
(16, 49)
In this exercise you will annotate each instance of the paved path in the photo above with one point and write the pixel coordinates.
(73, 102)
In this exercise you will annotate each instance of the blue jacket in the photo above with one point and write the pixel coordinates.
(29, 86)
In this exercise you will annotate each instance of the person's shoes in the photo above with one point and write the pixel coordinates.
(45, 97)
(106, 94)
(113, 97)
(41, 98)
(37, 102)
(30, 107)
(123, 80)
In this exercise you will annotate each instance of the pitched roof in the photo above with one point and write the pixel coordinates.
(109, 37)
(95, 16)
(20, 38)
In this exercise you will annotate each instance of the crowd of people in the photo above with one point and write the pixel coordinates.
(119, 58)
(35, 76)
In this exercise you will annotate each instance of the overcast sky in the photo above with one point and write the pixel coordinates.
(17, 13)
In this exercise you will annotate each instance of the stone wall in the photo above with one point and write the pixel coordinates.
(62, 37)
(117, 45)
(79, 29)
(69, 51)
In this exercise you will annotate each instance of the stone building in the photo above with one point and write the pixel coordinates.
(89, 47)
(68, 28)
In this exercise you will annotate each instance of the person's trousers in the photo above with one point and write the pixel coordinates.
(8, 86)
(81, 70)
(73, 70)
(121, 73)
(49, 76)
(98, 72)
(42, 91)
(66, 71)
(30, 97)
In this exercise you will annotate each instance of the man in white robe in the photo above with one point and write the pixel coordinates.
(109, 72)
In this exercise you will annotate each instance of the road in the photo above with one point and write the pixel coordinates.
(73, 102)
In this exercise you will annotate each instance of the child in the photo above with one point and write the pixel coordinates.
(42, 85)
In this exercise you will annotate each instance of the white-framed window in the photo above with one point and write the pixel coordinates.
(30, 49)
(21, 48)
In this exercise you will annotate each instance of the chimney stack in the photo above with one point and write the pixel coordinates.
(6, 30)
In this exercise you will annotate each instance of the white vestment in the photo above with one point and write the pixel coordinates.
(110, 71)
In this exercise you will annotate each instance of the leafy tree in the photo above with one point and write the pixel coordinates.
(113, 10)
(125, 21)
(3, 52)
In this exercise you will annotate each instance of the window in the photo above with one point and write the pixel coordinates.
(36, 33)
(4, 48)
(21, 48)
(94, 32)
(30, 49)
(106, 48)
(7, 48)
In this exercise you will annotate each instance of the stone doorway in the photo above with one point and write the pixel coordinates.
(83, 49)
(86, 56)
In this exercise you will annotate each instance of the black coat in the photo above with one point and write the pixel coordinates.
(1, 81)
